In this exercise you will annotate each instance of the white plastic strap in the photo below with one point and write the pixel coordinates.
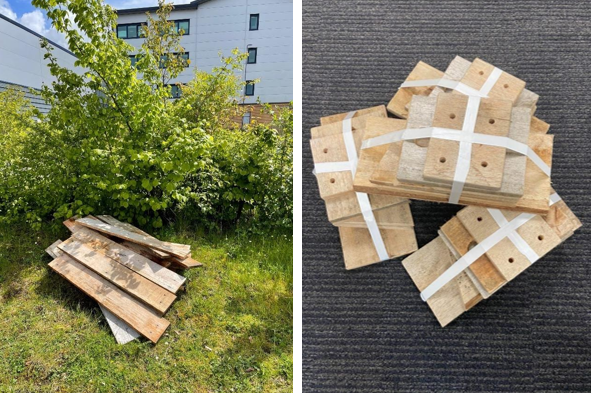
(479, 250)
(459, 86)
(372, 226)
(514, 237)
(465, 151)
(327, 167)
(458, 135)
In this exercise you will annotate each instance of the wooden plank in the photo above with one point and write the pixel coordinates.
(129, 281)
(391, 217)
(187, 263)
(154, 272)
(53, 249)
(359, 249)
(179, 250)
(507, 86)
(146, 252)
(347, 205)
(487, 162)
(379, 111)
(121, 304)
(423, 267)
(124, 225)
(122, 331)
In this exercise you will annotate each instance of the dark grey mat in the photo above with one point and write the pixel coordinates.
(368, 330)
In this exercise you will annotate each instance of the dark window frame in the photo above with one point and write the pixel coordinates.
(249, 83)
(250, 22)
(179, 90)
(176, 26)
(138, 25)
(255, 56)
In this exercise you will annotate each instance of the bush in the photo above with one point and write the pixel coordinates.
(115, 143)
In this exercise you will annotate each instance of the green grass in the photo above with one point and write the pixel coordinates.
(231, 330)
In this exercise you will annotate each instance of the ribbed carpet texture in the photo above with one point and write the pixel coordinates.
(367, 330)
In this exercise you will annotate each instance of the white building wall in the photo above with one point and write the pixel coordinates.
(222, 25)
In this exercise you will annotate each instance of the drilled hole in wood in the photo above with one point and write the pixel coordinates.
(452, 116)
(511, 260)
(506, 86)
(492, 121)
(471, 245)
(326, 150)
(484, 164)
(541, 237)
(332, 180)
(479, 219)
(442, 159)
(481, 72)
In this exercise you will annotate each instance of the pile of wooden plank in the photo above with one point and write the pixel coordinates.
(335, 164)
(467, 136)
(125, 270)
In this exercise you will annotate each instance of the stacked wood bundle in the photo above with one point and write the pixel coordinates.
(125, 270)
(337, 154)
(465, 136)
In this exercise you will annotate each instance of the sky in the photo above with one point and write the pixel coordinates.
(23, 12)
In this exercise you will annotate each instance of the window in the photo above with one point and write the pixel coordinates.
(184, 56)
(254, 21)
(249, 89)
(246, 118)
(182, 25)
(252, 56)
(175, 91)
(130, 30)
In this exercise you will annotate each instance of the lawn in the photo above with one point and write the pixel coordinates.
(231, 329)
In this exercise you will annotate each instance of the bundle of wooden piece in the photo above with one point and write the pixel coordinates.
(499, 155)
(372, 228)
(125, 270)
(465, 136)
(486, 270)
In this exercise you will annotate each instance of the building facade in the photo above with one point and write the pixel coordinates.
(263, 28)
(22, 63)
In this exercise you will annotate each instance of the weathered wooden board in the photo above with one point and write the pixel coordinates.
(131, 282)
(179, 250)
(124, 306)
(347, 205)
(122, 331)
(154, 272)
(147, 252)
(359, 249)
(53, 249)
(379, 111)
(391, 217)
(124, 225)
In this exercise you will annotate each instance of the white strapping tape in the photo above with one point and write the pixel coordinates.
(479, 250)
(465, 151)
(458, 135)
(362, 198)
(514, 237)
(459, 86)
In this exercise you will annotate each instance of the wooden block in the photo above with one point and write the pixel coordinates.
(423, 267)
(359, 250)
(487, 162)
(332, 149)
(483, 269)
(124, 225)
(562, 220)
(131, 282)
(392, 217)
(357, 122)
(508, 260)
(150, 270)
(347, 206)
(179, 250)
(535, 195)
(379, 111)
(121, 304)
(507, 86)
(398, 104)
